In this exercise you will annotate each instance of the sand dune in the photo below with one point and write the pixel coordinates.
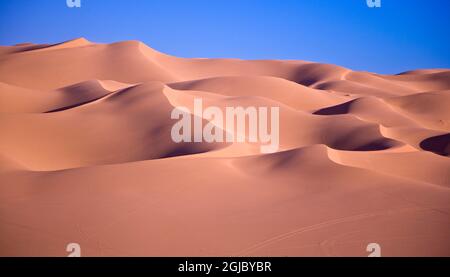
(20, 100)
(86, 156)
(289, 93)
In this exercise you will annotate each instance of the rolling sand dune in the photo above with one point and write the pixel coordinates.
(86, 156)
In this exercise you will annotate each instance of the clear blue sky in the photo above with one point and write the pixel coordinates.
(401, 35)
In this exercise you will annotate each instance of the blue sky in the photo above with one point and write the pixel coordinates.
(399, 36)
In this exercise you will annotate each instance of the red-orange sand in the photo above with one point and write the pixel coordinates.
(86, 157)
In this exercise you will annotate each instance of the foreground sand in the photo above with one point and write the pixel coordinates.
(86, 157)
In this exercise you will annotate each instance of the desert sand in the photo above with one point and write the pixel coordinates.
(86, 157)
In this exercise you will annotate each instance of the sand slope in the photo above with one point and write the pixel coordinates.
(86, 156)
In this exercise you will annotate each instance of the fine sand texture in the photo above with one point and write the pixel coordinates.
(86, 157)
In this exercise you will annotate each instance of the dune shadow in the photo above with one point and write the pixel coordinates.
(29, 48)
(75, 105)
(439, 145)
(188, 149)
(377, 145)
(343, 108)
